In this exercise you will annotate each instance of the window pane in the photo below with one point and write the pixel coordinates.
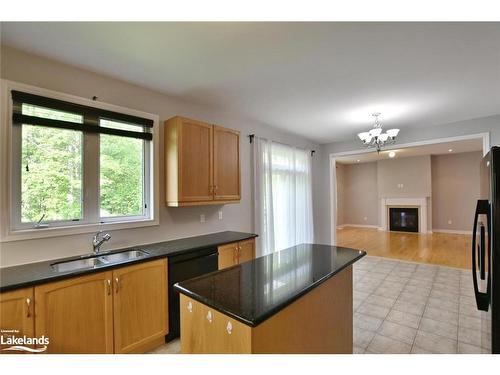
(51, 174)
(33, 110)
(121, 176)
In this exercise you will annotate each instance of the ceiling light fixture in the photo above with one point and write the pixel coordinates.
(376, 137)
(392, 154)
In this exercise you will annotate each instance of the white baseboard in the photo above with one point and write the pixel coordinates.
(451, 231)
(357, 226)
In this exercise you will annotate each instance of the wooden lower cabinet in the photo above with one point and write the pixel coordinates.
(17, 316)
(119, 311)
(76, 314)
(140, 306)
(320, 321)
(228, 255)
(236, 253)
(247, 251)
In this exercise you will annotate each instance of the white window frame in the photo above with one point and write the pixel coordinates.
(11, 228)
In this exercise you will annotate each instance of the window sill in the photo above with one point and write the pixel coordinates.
(34, 233)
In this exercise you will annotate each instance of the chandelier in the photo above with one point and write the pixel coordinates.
(376, 137)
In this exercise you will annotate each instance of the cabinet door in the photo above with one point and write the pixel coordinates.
(17, 315)
(246, 250)
(226, 164)
(195, 161)
(140, 306)
(76, 314)
(228, 255)
(206, 331)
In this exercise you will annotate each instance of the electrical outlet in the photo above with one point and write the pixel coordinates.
(449, 222)
(365, 218)
(202, 218)
(220, 214)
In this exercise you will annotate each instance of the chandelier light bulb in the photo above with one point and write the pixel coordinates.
(363, 135)
(383, 137)
(393, 132)
(375, 132)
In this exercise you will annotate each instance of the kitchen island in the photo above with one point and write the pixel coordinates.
(297, 300)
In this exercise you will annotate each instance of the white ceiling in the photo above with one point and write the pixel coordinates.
(319, 80)
(433, 149)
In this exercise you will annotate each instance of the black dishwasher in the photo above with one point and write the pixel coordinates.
(183, 267)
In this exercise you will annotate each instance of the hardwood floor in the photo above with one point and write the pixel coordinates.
(445, 249)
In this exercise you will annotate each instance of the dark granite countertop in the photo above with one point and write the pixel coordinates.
(254, 291)
(41, 272)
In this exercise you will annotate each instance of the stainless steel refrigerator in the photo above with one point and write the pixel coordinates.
(486, 251)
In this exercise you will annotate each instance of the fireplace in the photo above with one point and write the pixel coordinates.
(403, 219)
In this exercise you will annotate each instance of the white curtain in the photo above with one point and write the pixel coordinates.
(283, 198)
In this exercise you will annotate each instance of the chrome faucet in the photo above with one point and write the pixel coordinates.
(97, 241)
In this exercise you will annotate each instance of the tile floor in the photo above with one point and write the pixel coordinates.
(404, 307)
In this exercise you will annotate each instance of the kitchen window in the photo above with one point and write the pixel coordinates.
(74, 164)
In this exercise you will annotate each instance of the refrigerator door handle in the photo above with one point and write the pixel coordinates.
(482, 252)
(482, 299)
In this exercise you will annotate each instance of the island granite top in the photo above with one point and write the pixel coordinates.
(31, 274)
(256, 290)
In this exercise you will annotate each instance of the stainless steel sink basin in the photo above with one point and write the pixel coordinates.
(73, 265)
(122, 256)
(98, 260)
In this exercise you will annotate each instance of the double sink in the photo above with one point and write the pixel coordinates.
(98, 260)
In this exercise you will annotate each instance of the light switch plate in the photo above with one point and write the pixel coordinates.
(220, 214)
(202, 218)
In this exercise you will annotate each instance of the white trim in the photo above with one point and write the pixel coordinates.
(6, 233)
(342, 226)
(451, 231)
(485, 136)
(333, 201)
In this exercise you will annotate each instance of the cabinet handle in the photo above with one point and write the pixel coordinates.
(28, 307)
(209, 316)
(190, 307)
(108, 282)
(117, 284)
(229, 328)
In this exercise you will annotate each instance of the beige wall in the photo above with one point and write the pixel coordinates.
(358, 202)
(413, 173)
(174, 222)
(451, 183)
(455, 190)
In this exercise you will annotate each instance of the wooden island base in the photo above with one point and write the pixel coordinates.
(318, 322)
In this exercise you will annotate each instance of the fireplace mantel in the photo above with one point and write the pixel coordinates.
(421, 203)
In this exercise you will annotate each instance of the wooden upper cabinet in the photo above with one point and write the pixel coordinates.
(202, 163)
(188, 150)
(76, 314)
(226, 164)
(17, 314)
(140, 306)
